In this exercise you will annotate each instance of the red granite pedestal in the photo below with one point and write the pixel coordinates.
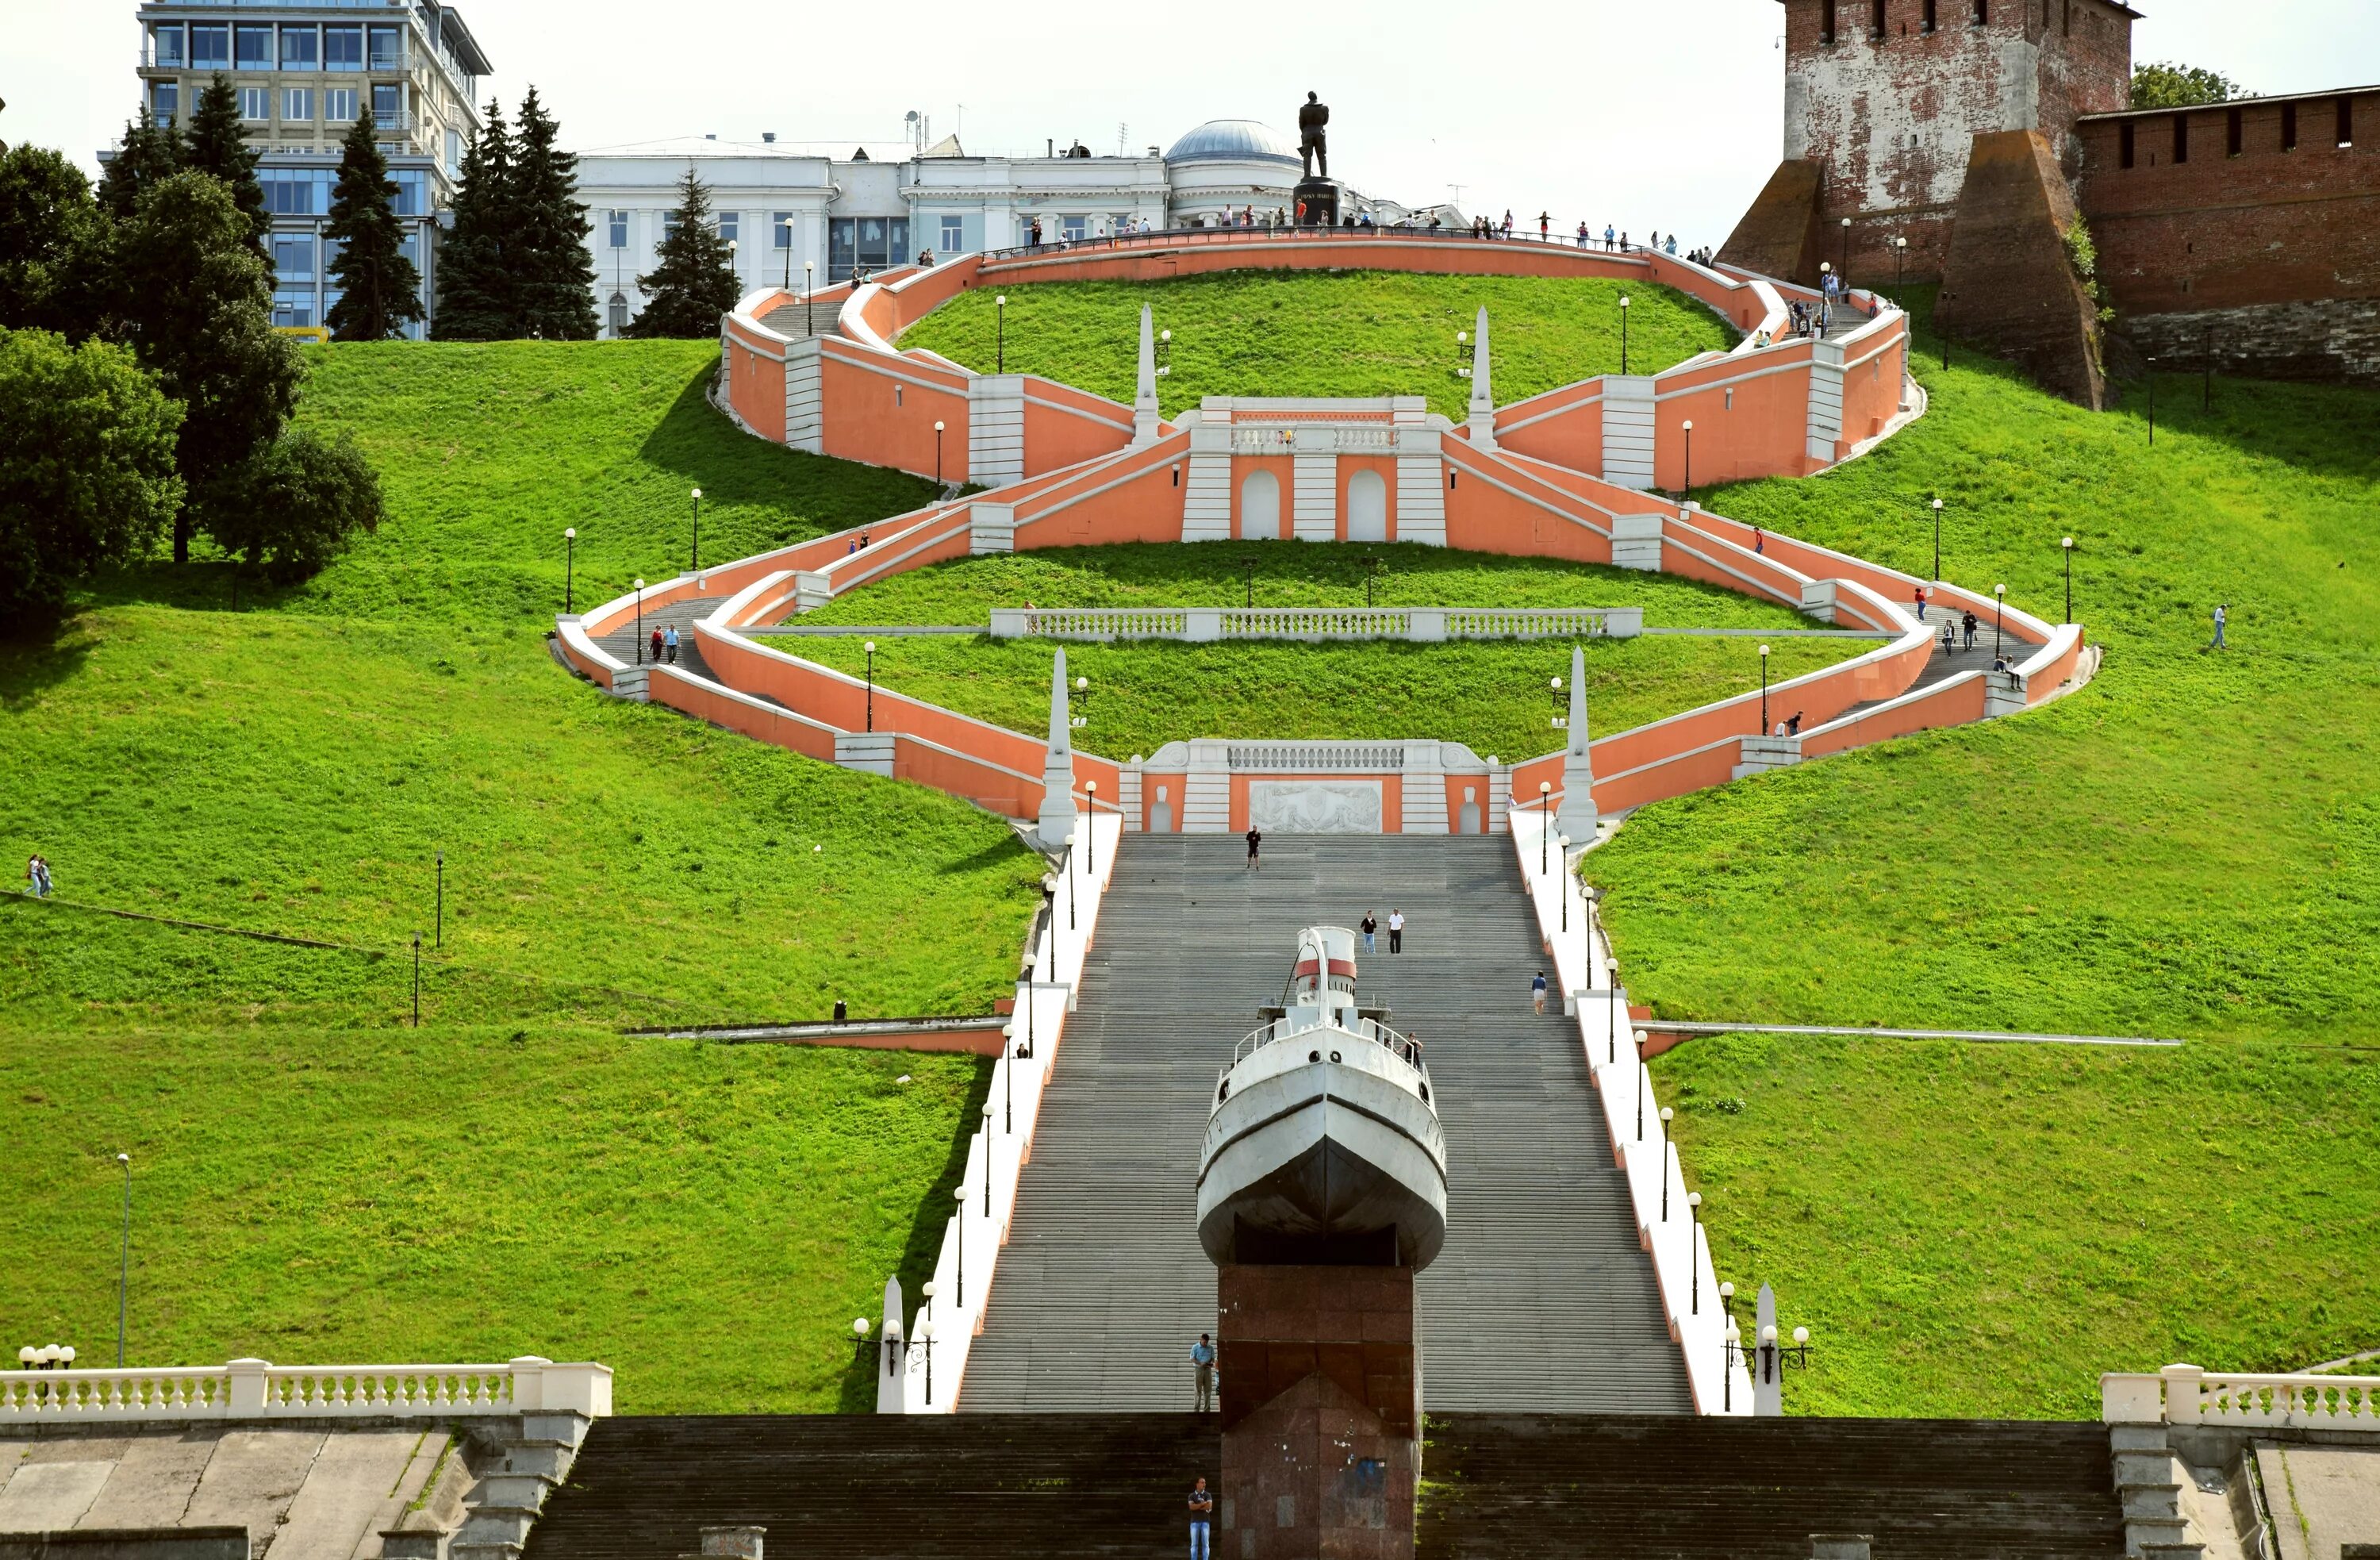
(1321, 1405)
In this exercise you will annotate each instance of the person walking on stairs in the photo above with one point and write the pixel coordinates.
(1371, 926)
(1202, 1374)
(1202, 1510)
(1255, 838)
(657, 644)
(1967, 623)
(669, 643)
(1396, 931)
(1537, 986)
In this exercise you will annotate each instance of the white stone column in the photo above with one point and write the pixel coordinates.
(1058, 815)
(1767, 1358)
(1144, 400)
(1483, 394)
(1578, 815)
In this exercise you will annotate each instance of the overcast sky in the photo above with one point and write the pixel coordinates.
(1662, 114)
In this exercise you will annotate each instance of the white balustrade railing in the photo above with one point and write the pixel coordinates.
(1319, 758)
(1200, 625)
(1666, 1218)
(257, 1389)
(921, 1361)
(2187, 1395)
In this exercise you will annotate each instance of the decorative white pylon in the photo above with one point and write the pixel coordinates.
(1483, 394)
(1144, 400)
(1578, 814)
(1058, 763)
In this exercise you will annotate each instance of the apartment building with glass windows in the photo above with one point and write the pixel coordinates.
(305, 70)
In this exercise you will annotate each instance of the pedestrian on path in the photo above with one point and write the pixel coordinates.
(1254, 839)
(669, 642)
(1793, 727)
(1537, 993)
(37, 877)
(1610, 238)
(1396, 931)
(1968, 623)
(2222, 615)
(657, 644)
(1202, 1510)
(1919, 597)
(1202, 1374)
(1371, 925)
(1759, 540)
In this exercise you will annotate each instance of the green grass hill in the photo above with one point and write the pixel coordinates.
(1363, 333)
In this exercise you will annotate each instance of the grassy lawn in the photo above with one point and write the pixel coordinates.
(1490, 695)
(1286, 574)
(1363, 333)
(1978, 1231)
(317, 1182)
(2189, 848)
(706, 1218)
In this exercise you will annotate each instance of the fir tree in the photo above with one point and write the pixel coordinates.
(692, 286)
(150, 151)
(215, 144)
(553, 275)
(381, 291)
(474, 280)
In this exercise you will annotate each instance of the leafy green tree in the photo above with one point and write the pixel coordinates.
(215, 144)
(53, 244)
(2164, 84)
(381, 291)
(476, 297)
(198, 303)
(87, 474)
(553, 275)
(150, 151)
(295, 503)
(692, 286)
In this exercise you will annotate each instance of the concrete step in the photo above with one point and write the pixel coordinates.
(1103, 1287)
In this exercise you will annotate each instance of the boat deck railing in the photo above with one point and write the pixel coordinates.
(1403, 1047)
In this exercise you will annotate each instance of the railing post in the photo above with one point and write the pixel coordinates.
(2183, 1404)
(247, 1396)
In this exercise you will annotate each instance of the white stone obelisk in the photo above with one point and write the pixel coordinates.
(1144, 400)
(1578, 815)
(1058, 763)
(1483, 393)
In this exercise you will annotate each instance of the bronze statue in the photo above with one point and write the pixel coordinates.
(1311, 147)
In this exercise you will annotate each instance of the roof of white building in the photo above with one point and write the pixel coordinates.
(1233, 140)
(680, 148)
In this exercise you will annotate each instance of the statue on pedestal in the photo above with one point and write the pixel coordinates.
(1312, 147)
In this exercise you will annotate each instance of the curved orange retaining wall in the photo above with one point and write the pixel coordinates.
(1519, 497)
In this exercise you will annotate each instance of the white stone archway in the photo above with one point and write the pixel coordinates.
(1368, 508)
(1260, 507)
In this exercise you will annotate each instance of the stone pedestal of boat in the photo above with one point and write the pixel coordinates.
(1320, 1375)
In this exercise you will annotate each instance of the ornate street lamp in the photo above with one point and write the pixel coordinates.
(1763, 691)
(1688, 495)
(870, 646)
(1545, 822)
(937, 452)
(1937, 539)
(569, 567)
(1623, 333)
(697, 529)
(2067, 547)
(1000, 326)
(1999, 608)
(809, 299)
(640, 620)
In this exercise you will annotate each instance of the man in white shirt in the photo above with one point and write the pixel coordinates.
(1396, 931)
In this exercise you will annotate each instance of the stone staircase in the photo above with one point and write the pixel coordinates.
(514, 1487)
(624, 641)
(1514, 1487)
(1542, 1300)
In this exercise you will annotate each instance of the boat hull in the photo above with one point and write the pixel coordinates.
(1325, 1162)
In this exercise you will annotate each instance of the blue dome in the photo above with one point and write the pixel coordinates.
(1233, 140)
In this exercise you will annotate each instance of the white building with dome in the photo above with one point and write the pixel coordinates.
(819, 211)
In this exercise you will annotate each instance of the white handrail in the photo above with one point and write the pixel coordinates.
(2187, 1395)
(259, 1389)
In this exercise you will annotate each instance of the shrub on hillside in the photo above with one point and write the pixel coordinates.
(296, 504)
(87, 472)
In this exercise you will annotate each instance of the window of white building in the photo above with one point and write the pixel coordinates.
(293, 257)
(301, 48)
(167, 46)
(338, 104)
(297, 106)
(1074, 227)
(342, 49)
(953, 235)
(617, 222)
(783, 226)
(253, 48)
(669, 226)
(164, 101)
(388, 105)
(209, 46)
(256, 103)
(619, 313)
(731, 226)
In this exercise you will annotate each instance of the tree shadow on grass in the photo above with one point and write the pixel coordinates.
(30, 666)
(204, 584)
(923, 1248)
(806, 495)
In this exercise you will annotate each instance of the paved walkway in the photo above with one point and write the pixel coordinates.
(632, 643)
(1542, 1300)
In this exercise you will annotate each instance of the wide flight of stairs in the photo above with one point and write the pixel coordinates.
(1541, 1300)
(1495, 1487)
